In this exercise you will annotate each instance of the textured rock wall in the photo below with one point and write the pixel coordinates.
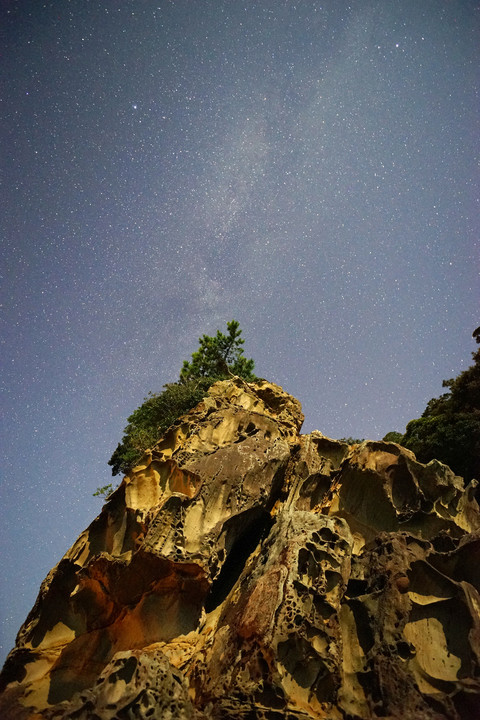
(245, 571)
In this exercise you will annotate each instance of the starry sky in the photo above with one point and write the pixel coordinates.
(305, 167)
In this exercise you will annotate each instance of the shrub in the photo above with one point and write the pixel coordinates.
(393, 436)
(449, 429)
(217, 358)
(149, 422)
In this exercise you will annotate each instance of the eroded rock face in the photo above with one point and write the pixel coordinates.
(245, 571)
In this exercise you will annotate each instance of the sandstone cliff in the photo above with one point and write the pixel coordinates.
(243, 570)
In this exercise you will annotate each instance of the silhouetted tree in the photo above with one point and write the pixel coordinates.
(449, 429)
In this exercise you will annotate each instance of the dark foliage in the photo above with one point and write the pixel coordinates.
(217, 358)
(157, 413)
(393, 436)
(449, 429)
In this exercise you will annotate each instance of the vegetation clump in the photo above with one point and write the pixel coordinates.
(104, 491)
(449, 428)
(217, 358)
(393, 436)
(154, 416)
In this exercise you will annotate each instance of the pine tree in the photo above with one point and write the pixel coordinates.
(219, 356)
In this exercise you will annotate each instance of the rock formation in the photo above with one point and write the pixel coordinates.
(245, 571)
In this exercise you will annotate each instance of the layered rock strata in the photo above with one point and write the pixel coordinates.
(243, 570)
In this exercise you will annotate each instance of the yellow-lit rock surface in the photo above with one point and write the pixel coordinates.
(243, 570)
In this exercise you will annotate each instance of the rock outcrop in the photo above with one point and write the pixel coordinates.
(243, 570)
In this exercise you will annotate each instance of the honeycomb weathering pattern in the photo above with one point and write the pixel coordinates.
(243, 570)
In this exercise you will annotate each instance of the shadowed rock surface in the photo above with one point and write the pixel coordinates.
(243, 570)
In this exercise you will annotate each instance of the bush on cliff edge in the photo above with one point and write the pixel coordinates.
(217, 358)
(449, 429)
(149, 421)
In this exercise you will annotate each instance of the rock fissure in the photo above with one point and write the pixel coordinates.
(245, 542)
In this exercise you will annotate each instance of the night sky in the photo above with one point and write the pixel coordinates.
(307, 168)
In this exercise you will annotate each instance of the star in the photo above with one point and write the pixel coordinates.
(280, 172)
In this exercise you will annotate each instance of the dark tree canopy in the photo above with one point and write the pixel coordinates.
(393, 436)
(449, 429)
(217, 358)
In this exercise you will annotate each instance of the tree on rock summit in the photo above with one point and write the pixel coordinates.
(217, 358)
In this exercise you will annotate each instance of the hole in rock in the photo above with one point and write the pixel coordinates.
(300, 660)
(14, 669)
(313, 490)
(404, 650)
(248, 530)
(333, 579)
(356, 587)
(363, 625)
(379, 583)
(323, 608)
(270, 697)
(326, 688)
(426, 506)
(307, 564)
(444, 543)
(404, 491)
(326, 534)
(125, 672)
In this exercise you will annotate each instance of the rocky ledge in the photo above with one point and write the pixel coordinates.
(243, 570)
